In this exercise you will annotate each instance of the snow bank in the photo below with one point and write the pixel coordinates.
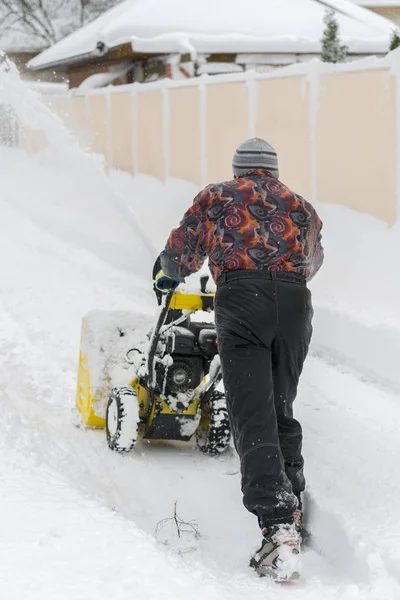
(360, 275)
(356, 293)
(88, 212)
(158, 203)
(59, 205)
(371, 350)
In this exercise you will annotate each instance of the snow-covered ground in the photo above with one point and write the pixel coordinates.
(78, 521)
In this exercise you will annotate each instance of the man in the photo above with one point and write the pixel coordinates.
(263, 243)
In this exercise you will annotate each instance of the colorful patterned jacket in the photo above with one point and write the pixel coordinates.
(248, 223)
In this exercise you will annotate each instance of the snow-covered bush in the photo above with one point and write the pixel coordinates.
(332, 50)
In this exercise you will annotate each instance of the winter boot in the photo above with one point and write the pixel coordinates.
(305, 538)
(278, 557)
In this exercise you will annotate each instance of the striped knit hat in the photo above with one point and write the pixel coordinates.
(255, 154)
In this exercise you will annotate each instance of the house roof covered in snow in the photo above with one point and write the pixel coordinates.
(220, 26)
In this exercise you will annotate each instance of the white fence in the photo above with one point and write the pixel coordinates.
(336, 128)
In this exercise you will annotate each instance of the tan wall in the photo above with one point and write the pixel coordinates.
(282, 119)
(185, 134)
(97, 119)
(390, 12)
(150, 133)
(335, 134)
(121, 115)
(356, 145)
(73, 111)
(227, 125)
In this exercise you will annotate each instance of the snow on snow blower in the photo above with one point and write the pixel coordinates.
(168, 389)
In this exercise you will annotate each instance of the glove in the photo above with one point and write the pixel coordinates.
(165, 284)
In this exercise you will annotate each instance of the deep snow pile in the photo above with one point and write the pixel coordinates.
(78, 521)
(356, 294)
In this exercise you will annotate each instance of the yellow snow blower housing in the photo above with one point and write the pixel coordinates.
(84, 400)
(165, 392)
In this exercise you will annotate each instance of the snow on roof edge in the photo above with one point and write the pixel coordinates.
(39, 61)
(193, 44)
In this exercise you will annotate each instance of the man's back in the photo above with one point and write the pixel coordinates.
(252, 222)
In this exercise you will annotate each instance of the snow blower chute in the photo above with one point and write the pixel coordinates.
(170, 391)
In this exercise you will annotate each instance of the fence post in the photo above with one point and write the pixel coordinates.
(166, 116)
(135, 142)
(313, 97)
(109, 149)
(203, 131)
(252, 91)
(88, 121)
(395, 71)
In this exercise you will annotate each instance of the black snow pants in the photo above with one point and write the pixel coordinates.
(264, 330)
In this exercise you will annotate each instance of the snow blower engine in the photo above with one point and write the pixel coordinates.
(174, 393)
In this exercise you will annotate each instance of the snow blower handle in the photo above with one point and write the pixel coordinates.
(166, 301)
(165, 284)
(203, 283)
(215, 379)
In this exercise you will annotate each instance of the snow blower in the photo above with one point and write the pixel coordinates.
(169, 391)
